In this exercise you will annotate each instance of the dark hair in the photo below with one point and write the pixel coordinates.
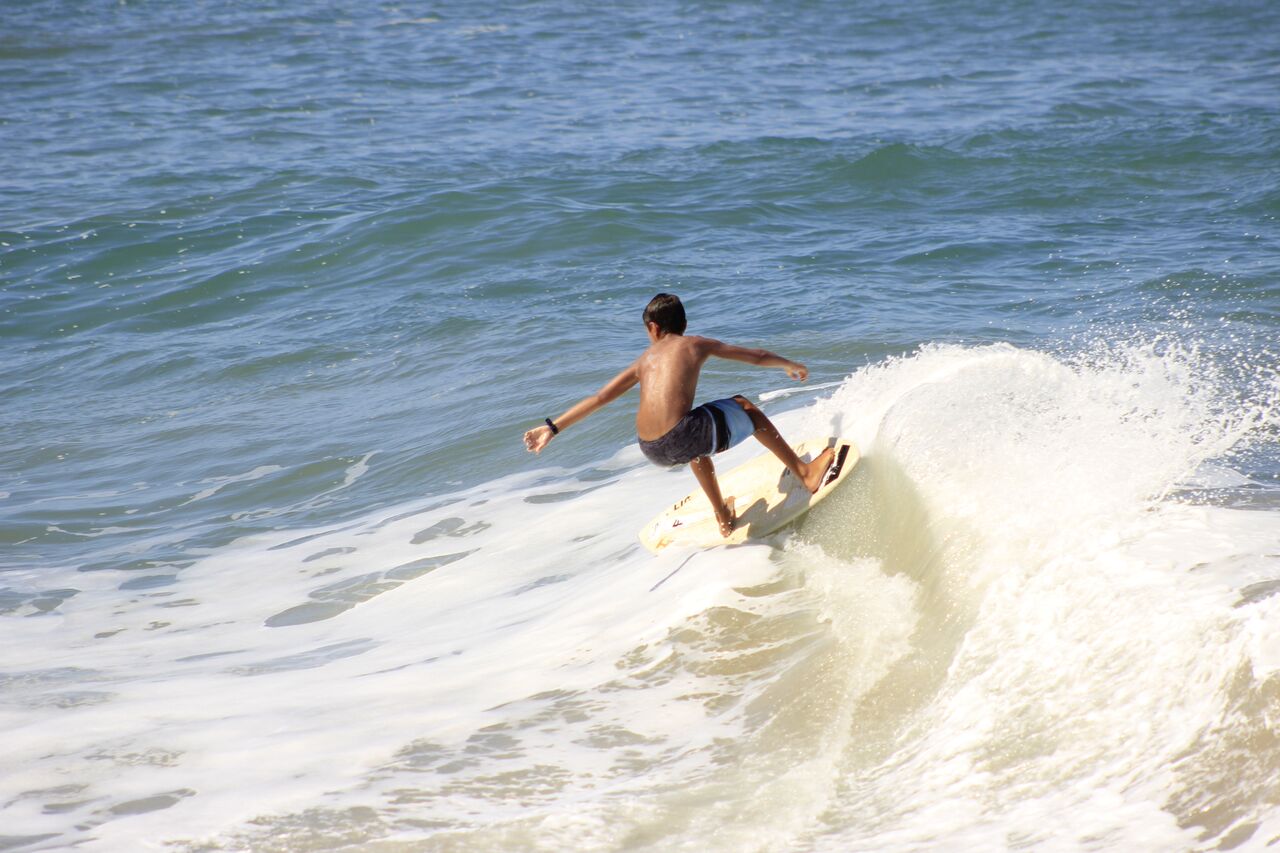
(665, 310)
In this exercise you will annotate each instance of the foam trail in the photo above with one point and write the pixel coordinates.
(782, 393)
(220, 483)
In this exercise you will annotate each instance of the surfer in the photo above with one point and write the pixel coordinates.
(670, 430)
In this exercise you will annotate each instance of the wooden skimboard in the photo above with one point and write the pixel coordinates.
(766, 497)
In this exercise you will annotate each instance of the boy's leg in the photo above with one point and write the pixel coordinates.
(705, 471)
(809, 473)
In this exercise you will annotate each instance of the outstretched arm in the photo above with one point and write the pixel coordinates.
(537, 438)
(762, 357)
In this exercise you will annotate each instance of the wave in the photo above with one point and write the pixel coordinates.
(1022, 605)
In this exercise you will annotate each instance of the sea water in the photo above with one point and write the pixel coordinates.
(282, 284)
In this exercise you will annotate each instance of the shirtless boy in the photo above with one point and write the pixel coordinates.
(671, 431)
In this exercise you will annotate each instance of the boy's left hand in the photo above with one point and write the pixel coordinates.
(537, 438)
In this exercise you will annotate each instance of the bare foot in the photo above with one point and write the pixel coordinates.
(817, 469)
(726, 518)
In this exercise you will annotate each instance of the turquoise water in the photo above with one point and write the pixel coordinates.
(273, 276)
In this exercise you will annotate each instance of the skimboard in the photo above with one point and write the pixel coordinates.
(766, 498)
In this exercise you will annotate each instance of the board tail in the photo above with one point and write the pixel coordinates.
(833, 473)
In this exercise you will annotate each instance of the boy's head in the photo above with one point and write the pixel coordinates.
(666, 311)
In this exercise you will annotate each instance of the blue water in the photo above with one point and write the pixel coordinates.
(269, 268)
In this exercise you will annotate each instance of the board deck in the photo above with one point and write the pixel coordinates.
(766, 496)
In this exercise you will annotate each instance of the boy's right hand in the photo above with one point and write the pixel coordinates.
(537, 438)
(798, 371)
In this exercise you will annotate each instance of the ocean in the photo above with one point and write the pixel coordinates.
(283, 284)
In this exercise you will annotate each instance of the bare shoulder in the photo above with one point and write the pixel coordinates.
(707, 347)
(703, 345)
(643, 361)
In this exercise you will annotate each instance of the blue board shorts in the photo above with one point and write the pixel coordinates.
(711, 428)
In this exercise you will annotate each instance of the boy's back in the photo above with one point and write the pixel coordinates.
(668, 372)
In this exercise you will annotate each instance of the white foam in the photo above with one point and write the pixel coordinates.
(217, 484)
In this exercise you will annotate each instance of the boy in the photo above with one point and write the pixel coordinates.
(672, 432)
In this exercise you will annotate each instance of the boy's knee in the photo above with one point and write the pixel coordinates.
(758, 418)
